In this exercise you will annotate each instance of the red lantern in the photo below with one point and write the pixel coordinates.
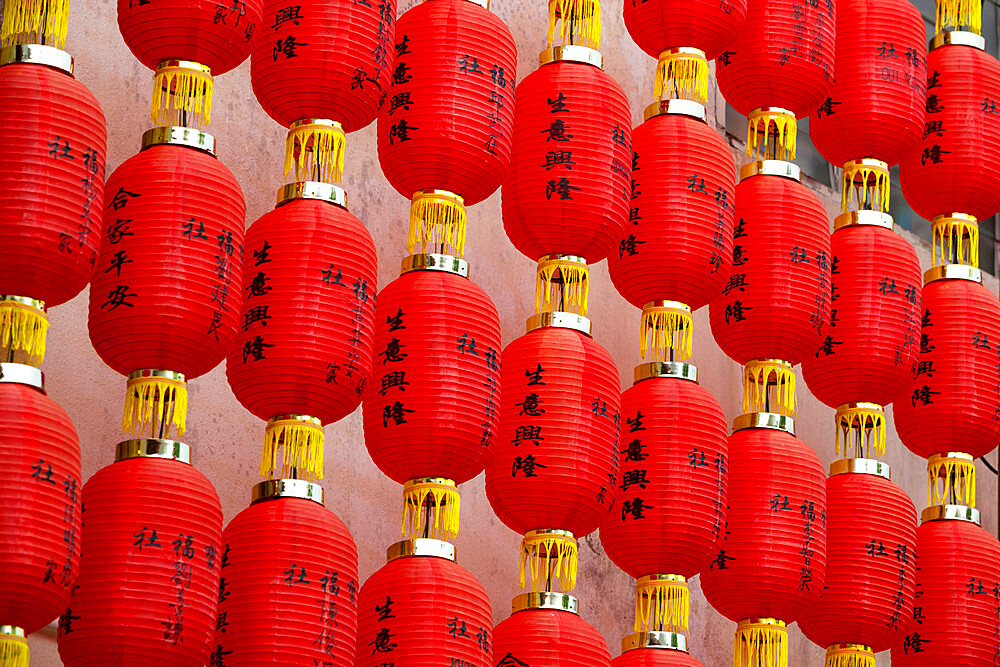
(422, 608)
(165, 293)
(875, 108)
(655, 649)
(956, 167)
(545, 629)
(958, 610)
(291, 573)
(658, 25)
(568, 191)
(39, 507)
(871, 560)
(149, 572)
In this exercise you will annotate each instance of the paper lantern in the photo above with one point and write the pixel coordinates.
(655, 649)
(658, 25)
(546, 629)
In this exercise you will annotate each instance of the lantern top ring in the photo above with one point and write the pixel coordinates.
(12, 630)
(571, 53)
(37, 54)
(286, 488)
(771, 168)
(863, 218)
(185, 64)
(950, 513)
(421, 546)
(764, 420)
(777, 622)
(676, 107)
(671, 641)
(179, 136)
(665, 369)
(37, 304)
(957, 38)
(432, 261)
(154, 448)
(861, 467)
(22, 374)
(560, 320)
(326, 192)
(155, 373)
(953, 272)
(545, 600)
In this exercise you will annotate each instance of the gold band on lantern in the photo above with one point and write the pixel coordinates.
(764, 420)
(24, 326)
(30, 376)
(155, 403)
(437, 217)
(676, 108)
(182, 94)
(559, 320)
(562, 285)
(957, 38)
(761, 642)
(662, 603)
(955, 240)
(153, 448)
(951, 479)
(682, 74)
(860, 467)
(13, 646)
(175, 135)
(866, 184)
(431, 508)
(666, 331)
(421, 547)
(769, 386)
(849, 655)
(35, 22)
(303, 441)
(951, 513)
(665, 369)
(435, 262)
(272, 489)
(325, 192)
(37, 54)
(959, 15)
(548, 556)
(953, 272)
(863, 219)
(578, 21)
(771, 134)
(771, 168)
(670, 641)
(315, 149)
(861, 430)
(545, 600)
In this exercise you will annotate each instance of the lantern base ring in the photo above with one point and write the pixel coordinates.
(761, 642)
(24, 328)
(155, 403)
(548, 555)
(13, 646)
(302, 439)
(431, 508)
(849, 655)
(662, 603)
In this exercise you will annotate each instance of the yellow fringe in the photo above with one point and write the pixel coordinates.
(13, 651)
(316, 151)
(152, 403)
(423, 497)
(959, 15)
(182, 95)
(956, 240)
(958, 477)
(759, 376)
(562, 285)
(867, 185)
(771, 135)
(666, 329)
(683, 75)
(35, 22)
(861, 429)
(538, 550)
(302, 439)
(580, 22)
(437, 217)
(849, 655)
(761, 644)
(23, 330)
(662, 605)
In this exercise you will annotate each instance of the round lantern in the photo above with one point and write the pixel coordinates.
(546, 629)
(871, 561)
(39, 508)
(655, 649)
(310, 267)
(166, 291)
(956, 167)
(291, 573)
(957, 606)
(568, 188)
(149, 572)
(422, 608)
(658, 25)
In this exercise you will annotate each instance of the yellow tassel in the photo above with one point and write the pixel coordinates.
(562, 285)
(861, 428)
(155, 401)
(866, 182)
(759, 378)
(23, 329)
(849, 655)
(761, 642)
(959, 15)
(437, 217)
(539, 549)
(951, 479)
(662, 604)
(315, 148)
(423, 498)
(35, 22)
(182, 94)
(682, 74)
(580, 22)
(771, 134)
(666, 331)
(13, 647)
(302, 439)
(956, 240)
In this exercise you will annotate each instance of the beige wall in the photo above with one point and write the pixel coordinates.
(226, 439)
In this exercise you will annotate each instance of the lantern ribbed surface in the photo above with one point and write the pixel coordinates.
(52, 153)
(956, 167)
(421, 611)
(875, 108)
(332, 60)
(166, 290)
(871, 564)
(772, 563)
(655, 657)
(215, 34)
(957, 607)
(438, 333)
(671, 504)
(776, 304)
(678, 244)
(952, 402)
(292, 574)
(457, 105)
(658, 25)
(568, 188)
(40, 486)
(142, 593)
(554, 462)
(551, 638)
(871, 346)
(311, 265)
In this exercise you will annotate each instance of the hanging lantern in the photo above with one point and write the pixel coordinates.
(554, 463)
(658, 25)
(871, 565)
(165, 295)
(655, 649)
(421, 608)
(771, 562)
(432, 411)
(291, 577)
(51, 191)
(664, 523)
(309, 277)
(957, 611)
(149, 572)
(546, 629)
(39, 509)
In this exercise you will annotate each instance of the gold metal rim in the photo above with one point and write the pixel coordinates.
(953, 272)
(773, 111)
(671, 641)
(302, 122)
(650, 578)
(777, 622)
(863, 218)
(675, 107)
(37, 304)
(30, 376)
(433, 261)
(155, 373)
(682, 50)
(286, 488)
(957, 38)
(12, 630)
(542, 532)
(954, 456)
(866, 162)
(556, 257)
(951, 513)
(959, 217)
(38, 54)
(665, 369)
(325, 192)
(439, 194)
(771, 168)
(667, 303)
(848, 647)
(175, 135)
(418, 481)
(559, 320)
(571, 53)
(545, 600)
(185, 64)
(421, 546)
(314, 421)
(769, 420)
(861, 467)
(154, 448)
(861, 405)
